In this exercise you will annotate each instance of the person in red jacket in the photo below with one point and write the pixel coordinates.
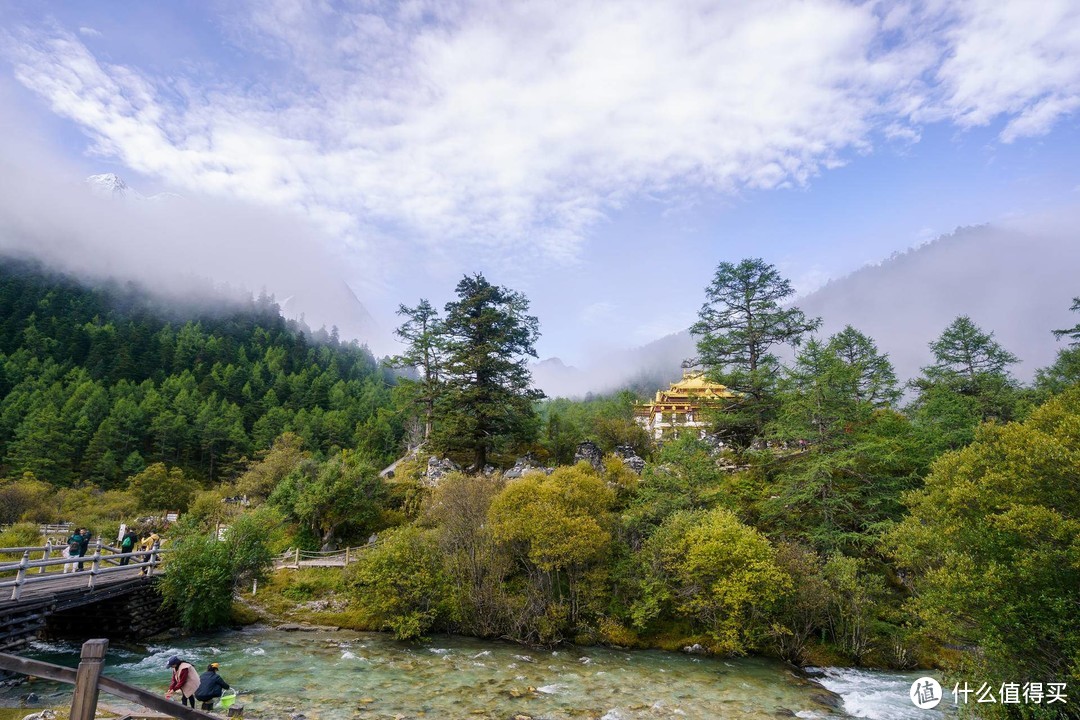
(185, 679)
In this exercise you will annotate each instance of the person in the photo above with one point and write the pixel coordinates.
(185, 679)
(127, 544)
(83, 545)
(75, 544)
(70, 550)
(210, 686)
(150, 539)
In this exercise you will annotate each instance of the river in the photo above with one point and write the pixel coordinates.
(344, 675)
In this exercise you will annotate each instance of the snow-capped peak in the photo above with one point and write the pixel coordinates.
(111, 185)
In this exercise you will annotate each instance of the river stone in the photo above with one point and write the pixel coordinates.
(294, 627)
(829, 699)
(695, 649)
(43, 715)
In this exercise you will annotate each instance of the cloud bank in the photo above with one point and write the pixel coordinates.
(512, 129)
(179, 247)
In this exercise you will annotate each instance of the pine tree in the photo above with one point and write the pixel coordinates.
(487, 403)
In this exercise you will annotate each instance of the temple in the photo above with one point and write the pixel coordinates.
(679, 408)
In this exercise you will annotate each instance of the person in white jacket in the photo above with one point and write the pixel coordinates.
(185, 679)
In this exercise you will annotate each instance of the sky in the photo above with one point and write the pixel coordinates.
(600, 157)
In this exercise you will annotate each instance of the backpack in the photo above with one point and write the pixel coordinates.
(127, 544)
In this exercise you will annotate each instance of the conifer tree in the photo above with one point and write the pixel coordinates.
(487, 403)
(738, 327)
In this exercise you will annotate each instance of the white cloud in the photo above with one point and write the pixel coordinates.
(1016, 60)
(511, 129)
(89, 32)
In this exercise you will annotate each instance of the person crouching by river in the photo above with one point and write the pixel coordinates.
(185, 679)
(210, 686)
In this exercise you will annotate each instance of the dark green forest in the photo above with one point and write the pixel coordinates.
(99, 384)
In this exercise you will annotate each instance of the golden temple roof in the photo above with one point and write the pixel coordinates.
(693, 389)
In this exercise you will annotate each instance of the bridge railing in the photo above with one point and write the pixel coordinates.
(100, 564)
(89, 681)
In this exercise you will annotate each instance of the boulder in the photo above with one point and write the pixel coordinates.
(630, 458)
(590, 453)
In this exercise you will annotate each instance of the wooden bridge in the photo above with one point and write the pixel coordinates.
(35, 589)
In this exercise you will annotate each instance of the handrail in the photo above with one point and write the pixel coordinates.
(8, 566)
(88, 680)
(294, 556)
(150, 559)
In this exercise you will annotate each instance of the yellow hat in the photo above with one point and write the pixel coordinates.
(215, 666)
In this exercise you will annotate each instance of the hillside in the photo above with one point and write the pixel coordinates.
(1017, 284)
(99, 382)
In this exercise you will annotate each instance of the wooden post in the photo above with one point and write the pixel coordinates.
(96, 564)
(84, 701)
(20, 577)
(48, 552)
(346, 556)
(296, 560)
(153, 558)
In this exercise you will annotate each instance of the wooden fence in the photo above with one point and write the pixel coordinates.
(89, 682)
(296, 558)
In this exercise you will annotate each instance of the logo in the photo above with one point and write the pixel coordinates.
(925, 693)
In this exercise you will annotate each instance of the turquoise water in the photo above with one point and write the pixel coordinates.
(344, 675)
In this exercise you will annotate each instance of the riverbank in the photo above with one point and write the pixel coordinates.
(318, 597)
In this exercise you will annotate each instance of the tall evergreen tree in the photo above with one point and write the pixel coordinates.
(740, 323)
(971, 369)
(872, 377)
(421, 332)
(487, 403)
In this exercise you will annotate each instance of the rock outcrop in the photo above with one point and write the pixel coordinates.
(590, 453)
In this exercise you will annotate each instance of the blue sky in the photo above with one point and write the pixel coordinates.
(601, 157)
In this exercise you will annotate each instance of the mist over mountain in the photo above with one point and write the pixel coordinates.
(1017, 281)
(180, 246)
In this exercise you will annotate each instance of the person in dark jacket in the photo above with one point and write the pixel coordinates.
(210, 687)
(85, 545)
(128, 544)
(74, 545)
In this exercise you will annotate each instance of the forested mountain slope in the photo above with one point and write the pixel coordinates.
(97, 383)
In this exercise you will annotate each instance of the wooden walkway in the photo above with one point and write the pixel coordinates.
(296, 558)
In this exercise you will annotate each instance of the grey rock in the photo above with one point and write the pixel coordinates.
(590, 453)
(523, 466)
(437, 469)
(630, 458)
